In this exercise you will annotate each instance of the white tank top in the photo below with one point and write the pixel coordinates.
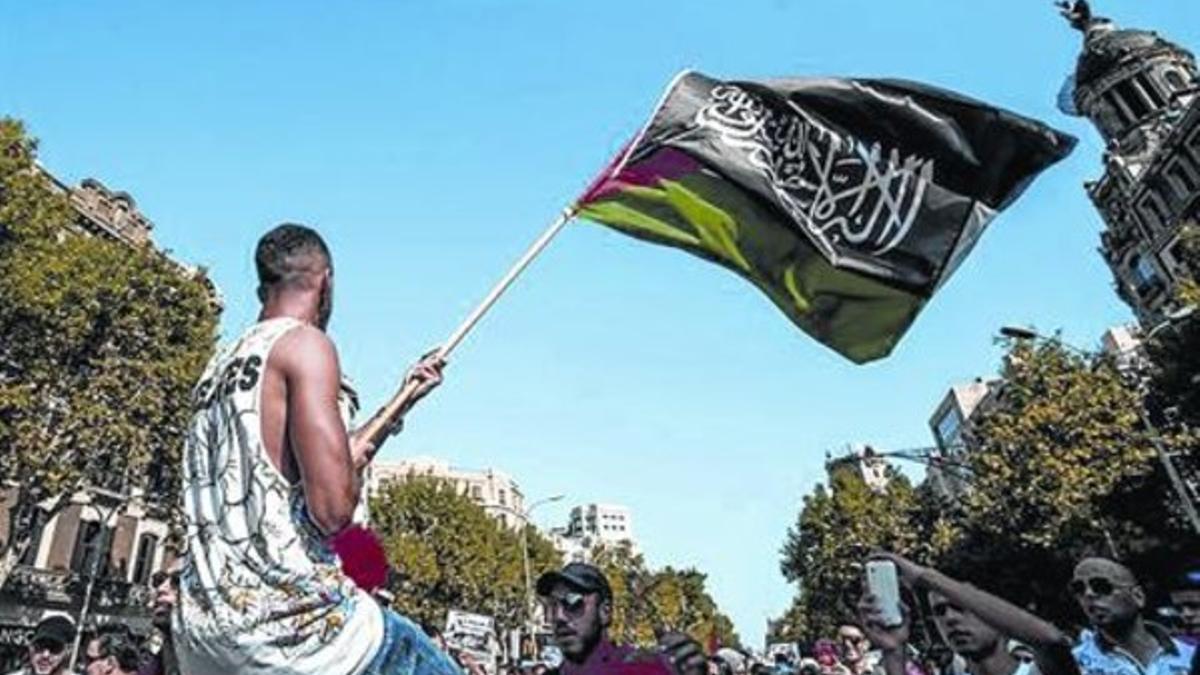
(260, 592)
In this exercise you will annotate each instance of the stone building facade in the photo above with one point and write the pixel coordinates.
(492, 489)
(1142, 93)
(94, 543)
(594, 525)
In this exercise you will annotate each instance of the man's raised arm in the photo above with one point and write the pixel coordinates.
(1052, 647)
(421, 379)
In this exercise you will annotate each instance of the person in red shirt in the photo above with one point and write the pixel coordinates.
(579, 607)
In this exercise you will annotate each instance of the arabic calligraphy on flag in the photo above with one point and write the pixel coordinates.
(847, 202)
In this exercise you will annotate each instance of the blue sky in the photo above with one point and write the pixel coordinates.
(431, 142)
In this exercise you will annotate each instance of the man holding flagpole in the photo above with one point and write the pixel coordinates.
(272, 478)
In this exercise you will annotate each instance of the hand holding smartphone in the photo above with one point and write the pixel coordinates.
(884, 583)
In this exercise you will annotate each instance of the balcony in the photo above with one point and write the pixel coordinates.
(52, 588)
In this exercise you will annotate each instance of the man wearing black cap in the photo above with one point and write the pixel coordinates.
(48, 650)
(578, 602)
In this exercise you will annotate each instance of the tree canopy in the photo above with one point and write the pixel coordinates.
(1061, 467)
(449, 553)
(837, 527)
(100, 344)
(648, 602)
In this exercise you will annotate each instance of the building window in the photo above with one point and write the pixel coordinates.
(144, 562)
(87, 555)
(477, 493)
(1132, 98)
(948, 429)
(1145, 277)
(1151, 90)
(503, 498)
(1154, 214)
(1124, 118)
(1180, 178)
(29, 557)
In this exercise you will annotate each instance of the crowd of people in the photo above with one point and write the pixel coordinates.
(978, 633)
(278, 577)
(110, 648)
(974, 633)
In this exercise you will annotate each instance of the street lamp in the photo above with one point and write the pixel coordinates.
(104, 536)
(524, 516)
(1164, 456)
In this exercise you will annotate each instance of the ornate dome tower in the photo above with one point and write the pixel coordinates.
(1140, 91)
(1126, 80)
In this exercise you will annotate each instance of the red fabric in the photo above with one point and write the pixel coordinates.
(610, 659)
(362, 556)
(642, 668)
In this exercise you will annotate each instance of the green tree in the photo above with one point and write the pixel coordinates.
(100, 344)
(1174, 350)
(1066, 433)
(1063, 468)
(449, 553)
(791, 626)
(836, 528)
(631, 582)
(649, 602)
(678, 601)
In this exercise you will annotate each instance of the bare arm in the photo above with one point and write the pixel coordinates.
(419, 381)
(1051, 646)
(315, 434)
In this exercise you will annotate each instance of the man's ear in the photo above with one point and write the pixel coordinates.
(1139, 596)
(262, 293)
(605, 611)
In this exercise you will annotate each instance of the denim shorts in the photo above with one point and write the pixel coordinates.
(407, 650)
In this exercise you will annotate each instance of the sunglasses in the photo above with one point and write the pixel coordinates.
(570, 604)
(1097, 585)
(51, 646)
(855, 639)
(159, 578)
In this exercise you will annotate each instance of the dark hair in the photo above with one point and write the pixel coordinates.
(120, 643)
(283, 253)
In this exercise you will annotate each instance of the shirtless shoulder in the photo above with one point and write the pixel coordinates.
(304, 351)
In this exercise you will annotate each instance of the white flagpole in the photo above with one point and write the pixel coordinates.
(388, 417)
(387, 420)
(568, 213)
(473, 318)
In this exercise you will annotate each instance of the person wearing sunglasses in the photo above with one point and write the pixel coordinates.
(579, 606)
(49, 649)
(165, 584)
(1120, 641)
(975, 624)
(855, 649)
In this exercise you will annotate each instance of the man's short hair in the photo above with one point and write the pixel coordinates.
(286, 252)
(1109, 568)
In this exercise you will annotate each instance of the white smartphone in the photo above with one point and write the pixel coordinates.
(884, 584)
